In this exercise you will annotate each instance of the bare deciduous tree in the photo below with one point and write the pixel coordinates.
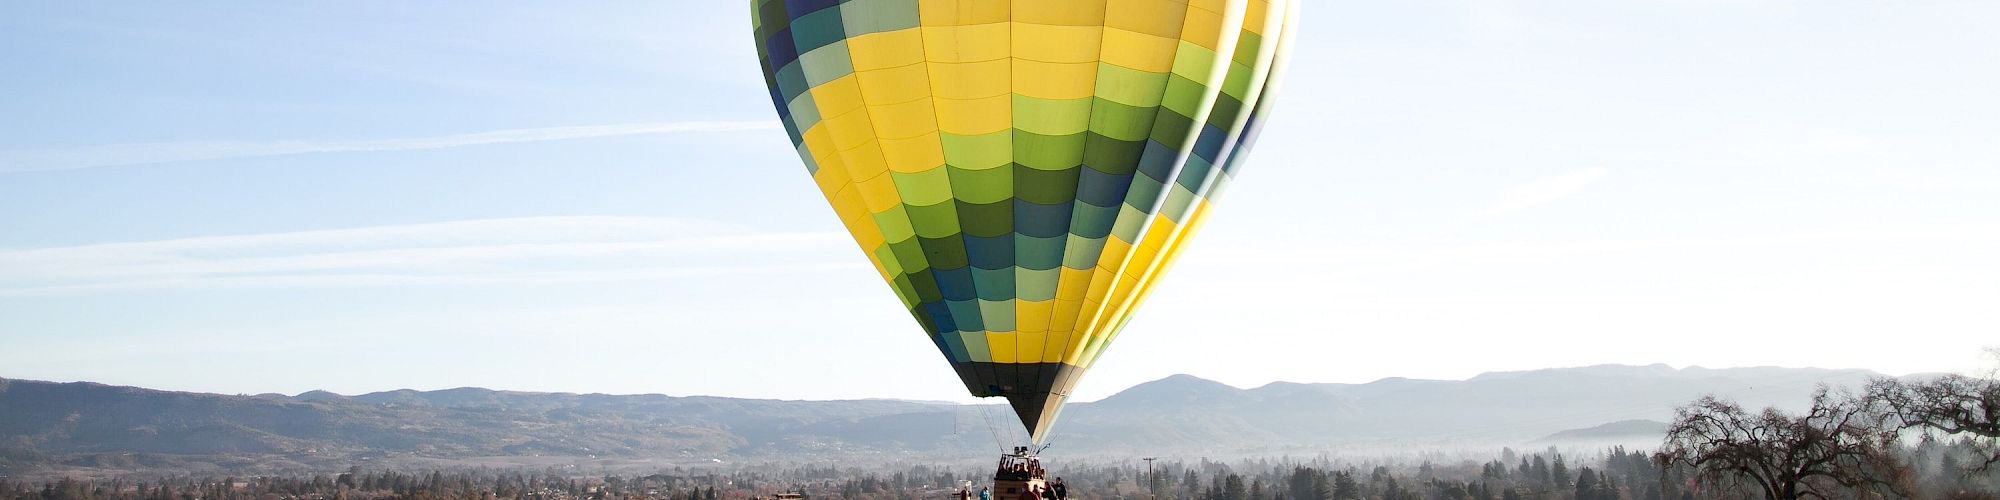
(1951, 404)
(1786, 457)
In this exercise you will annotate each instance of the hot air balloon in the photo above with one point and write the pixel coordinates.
(1022, 172)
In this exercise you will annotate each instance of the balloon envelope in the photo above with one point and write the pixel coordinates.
(1021, 172)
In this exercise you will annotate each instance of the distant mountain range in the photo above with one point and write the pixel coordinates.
(92, 427)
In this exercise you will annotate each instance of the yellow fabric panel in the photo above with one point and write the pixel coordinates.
(1033, 315)
(971, 80)
(1115, 251)
(849, 130)
(895, 85)
(1062, 318)
(1060, 12)
(1255, 14)
(838, 97)
(984, 42)
(820, 144)
(886, 49)
(1116, 307)
(1057, 44)
(1055, 80)
(961, 12)
(1139, 269)
(1055, 346)
(1203, 27)
(1080, 335)
(831, 177)
(879, 194)
(1100, 284)
(915, 154)
(1001, 345)
(1211, 5)
(854, 214)
(1139, 51)
(865, 161)
(1156, 238)
(906, 120)
(975, 116)
(1029, 346)
(1154, 17)
(1071, 284)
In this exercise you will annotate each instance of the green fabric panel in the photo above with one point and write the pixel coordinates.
(827, 64)
(1129, 221)
(1038, 253)
(874, 16)
(934, 221)
(821, 27)
(887, 255)
(1082, 253)
(981, 186)
(910, 254)
(1050, 116)
(1179, 199)
(1171, 129)
(1237, 82)
(895, 223)
(1048, 152)
(1142, 193)
(975, 345)
(1182, 96)
(1120, 121)
(805, 112)
(805, 156)
(978, 151)
(927, 287)
(1129, 86)
(987, 220)
(928, 187)
(792, 80)
(1224, 113)
(999, 314)
(955, 343)
(1112, 156)
(1248, 44)
(1035, 285)
(945, 253)
(1193, 62)
(758, 13)
(1046, 187)
(993, 285)
(904, 291)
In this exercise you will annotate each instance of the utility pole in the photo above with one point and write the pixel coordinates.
(1149, 476)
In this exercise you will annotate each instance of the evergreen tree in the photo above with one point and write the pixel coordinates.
(1559, 472)
(1344, 487)
(1586, 484)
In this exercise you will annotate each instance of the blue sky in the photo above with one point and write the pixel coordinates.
(251, 197)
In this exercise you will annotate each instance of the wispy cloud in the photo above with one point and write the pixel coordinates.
(15, 161)
(1544, 190)
(532, 250)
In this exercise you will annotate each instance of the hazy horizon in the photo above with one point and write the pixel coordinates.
(988, 401)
